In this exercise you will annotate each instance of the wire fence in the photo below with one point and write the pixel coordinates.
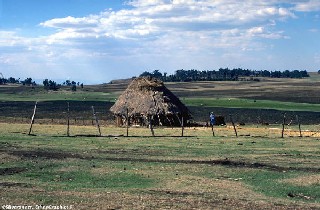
(273, 123)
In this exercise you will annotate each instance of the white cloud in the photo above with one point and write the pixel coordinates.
(308, 6)
(70, 22)
(156, 19)
(158, 33)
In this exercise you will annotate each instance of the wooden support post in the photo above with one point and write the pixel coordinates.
(32, 118)
(96, 120)
(68, 119)
(127, 117)
(150, 125)
(299, 124)
(182, 126)
(234, 127)
(283, 123)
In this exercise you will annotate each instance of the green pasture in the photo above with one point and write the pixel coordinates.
(250, 103)
(58, 96)
(88, 171)
(205, 102)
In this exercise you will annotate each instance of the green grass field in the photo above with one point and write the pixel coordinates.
(40, 95)
(58, 96)
(202, 171)
(257, 170)
(252, 104)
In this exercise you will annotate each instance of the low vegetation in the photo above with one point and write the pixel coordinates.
(257, 170)
(250, 103)
(198, 171)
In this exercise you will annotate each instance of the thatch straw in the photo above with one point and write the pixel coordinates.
(147, 96)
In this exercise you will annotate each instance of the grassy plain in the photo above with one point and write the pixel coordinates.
(257, 170)
(270, 93)
(142, 172)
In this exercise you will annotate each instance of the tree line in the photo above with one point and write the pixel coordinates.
(223, 74)
(47, 84)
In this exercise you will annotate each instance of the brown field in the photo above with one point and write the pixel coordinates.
(165, 172)
(291, 90)
(257, 170)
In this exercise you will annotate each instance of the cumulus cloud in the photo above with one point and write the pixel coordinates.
(307, 6)
(159, 33)
(157, 19)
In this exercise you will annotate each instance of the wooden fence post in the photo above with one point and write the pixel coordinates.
(68, 119)
(127, 122)
(182, 126)
(32, 118)
(234, 127)
(283, 123)
(150, 125)
(96, 120)
(299, 125)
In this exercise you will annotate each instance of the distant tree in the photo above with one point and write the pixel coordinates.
(276, 74)
(50, 85)
(318, 71)
(68, 82)
(74, 88)
(265, 73)
(3, 81)
(145, 74)
(223, 74)
(13, 80)
(45, 83)
(157, 74)
(164, 76)
(304, 73)
(27, 82)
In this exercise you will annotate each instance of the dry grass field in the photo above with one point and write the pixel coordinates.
(257, 170)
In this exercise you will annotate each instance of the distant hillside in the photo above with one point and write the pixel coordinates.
(121, 81)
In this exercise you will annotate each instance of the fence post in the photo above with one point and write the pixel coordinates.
(182, 126)
(299, 125)
(150, 125)
(234, 127)
(283, 123)
(127, 122)
(32, 118)
(68, 119)
(96, 120)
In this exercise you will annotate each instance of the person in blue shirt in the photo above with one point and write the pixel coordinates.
(212, 119)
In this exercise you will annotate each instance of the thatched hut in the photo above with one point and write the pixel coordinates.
(147, 99)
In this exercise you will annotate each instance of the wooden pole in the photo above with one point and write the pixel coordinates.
(234, 127)
(68, 119)
(283, 123)
(32, 118)
(150, 125)
(96, 120)
(182, 126)
(299, 125)
(127, 122)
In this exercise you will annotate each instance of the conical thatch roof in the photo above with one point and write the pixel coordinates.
(147, 96)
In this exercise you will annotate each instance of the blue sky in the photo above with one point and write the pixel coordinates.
(95, 41)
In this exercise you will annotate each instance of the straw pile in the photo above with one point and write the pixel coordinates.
(147, 97)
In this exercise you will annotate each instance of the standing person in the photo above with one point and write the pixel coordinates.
(212, 119)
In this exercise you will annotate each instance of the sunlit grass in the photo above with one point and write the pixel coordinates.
(70, 169)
